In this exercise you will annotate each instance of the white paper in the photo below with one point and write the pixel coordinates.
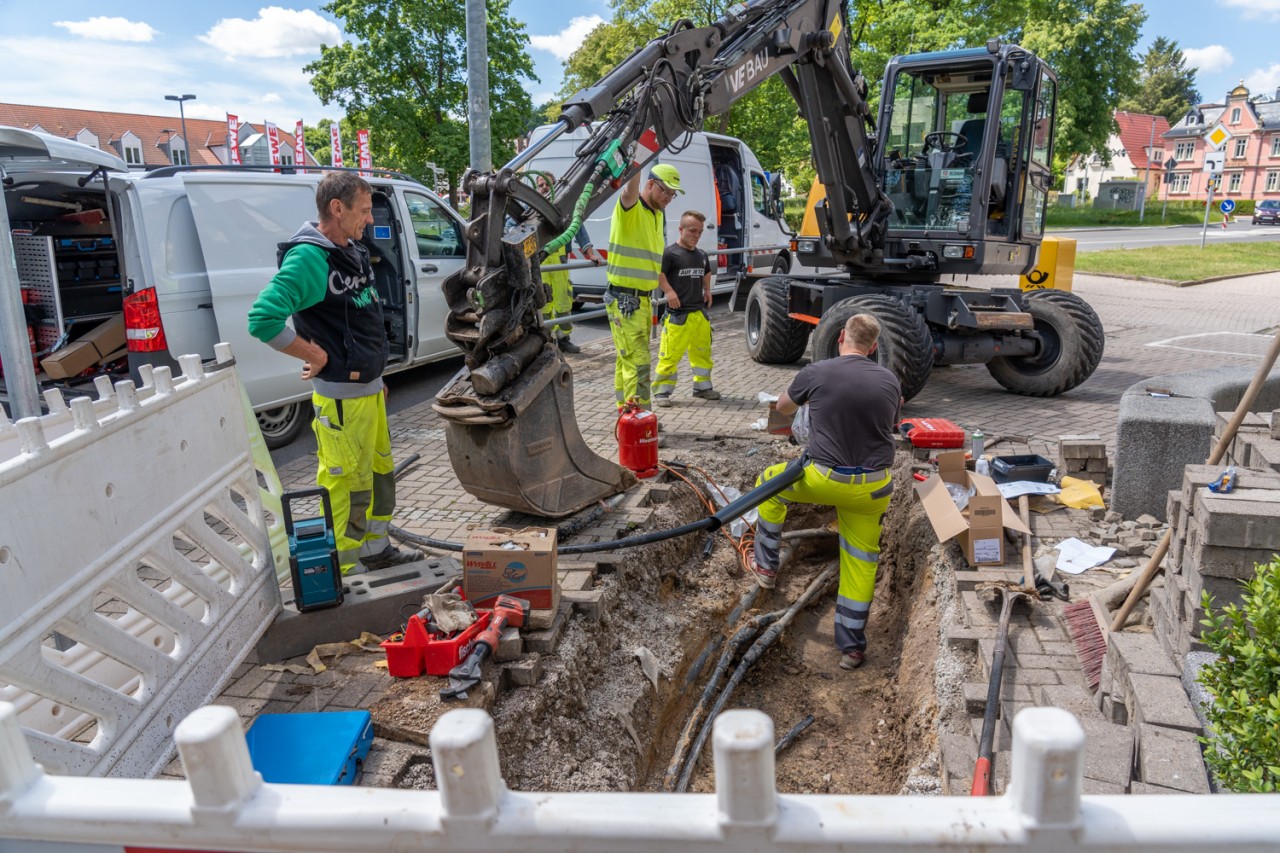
(1075, 556)
(1026, 487)
(766, 398)
(986, 551)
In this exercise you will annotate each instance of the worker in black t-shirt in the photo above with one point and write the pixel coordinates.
(853, 405)
(685, 280)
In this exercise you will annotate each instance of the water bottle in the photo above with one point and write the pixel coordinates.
(977, 446)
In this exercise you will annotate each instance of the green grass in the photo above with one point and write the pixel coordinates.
(1183, 263)
(1069, 217)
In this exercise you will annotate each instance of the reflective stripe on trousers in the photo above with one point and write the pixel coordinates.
(692, 336)
(631, 342)
(860, 507)
(353, 448)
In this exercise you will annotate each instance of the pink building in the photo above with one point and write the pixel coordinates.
(1252, 155)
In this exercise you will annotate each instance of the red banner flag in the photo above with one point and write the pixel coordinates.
(362, 146)
(335, 145)
(233, 139)
(273, 142)
(299, 146)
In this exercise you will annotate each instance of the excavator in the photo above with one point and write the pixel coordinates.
(949, 181)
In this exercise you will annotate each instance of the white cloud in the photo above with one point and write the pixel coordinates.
(109, 29)
(1264, 81)
(1209, 60)
(276, 32)
(564, 43)
(1255, 9)
(271, 98)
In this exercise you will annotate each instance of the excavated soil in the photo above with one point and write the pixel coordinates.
(595, 721)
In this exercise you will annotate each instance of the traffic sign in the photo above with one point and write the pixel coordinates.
(1170, 164)
(1217, 136)
(1214, 161)
(1227, 205)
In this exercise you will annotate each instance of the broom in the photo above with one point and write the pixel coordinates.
(1087, 620)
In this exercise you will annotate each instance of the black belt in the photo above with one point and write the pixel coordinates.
(856, 474)
(646, 294)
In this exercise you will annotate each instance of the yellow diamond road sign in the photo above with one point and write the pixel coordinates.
(1217, 136)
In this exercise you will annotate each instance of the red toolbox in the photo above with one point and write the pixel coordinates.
(932, 432)
(418, 652)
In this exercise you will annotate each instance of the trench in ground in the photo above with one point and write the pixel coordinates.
(595, 722)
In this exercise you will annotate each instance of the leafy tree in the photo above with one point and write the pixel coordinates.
(402, 74)
(1166, 86)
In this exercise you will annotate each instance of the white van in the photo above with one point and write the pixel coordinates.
(754, 216)
(184, 251)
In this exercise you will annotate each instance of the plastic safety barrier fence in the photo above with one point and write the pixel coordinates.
(136, 550)
(225, 806)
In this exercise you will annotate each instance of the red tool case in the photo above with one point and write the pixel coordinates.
(932, 433)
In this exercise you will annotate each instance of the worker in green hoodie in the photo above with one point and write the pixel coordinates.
(325, 283)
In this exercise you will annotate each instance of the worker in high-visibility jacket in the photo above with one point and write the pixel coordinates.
(685, 280)
(561, 303)
(636, 243)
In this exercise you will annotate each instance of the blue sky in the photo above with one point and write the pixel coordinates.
(247, 57)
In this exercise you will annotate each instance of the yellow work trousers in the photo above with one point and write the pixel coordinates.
(631, 341)
(860, 509)
(692, 336)
(353, 447)
(561, 304)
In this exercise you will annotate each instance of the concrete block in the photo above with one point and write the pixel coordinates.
(576, 580)
(1159, 700)
(524, 672)
(544, 641)
(958, 753)
(1146, 788)
(510, 645)
(1137, 653)
(1224, 590)
(1070, 697)
(1223, 561)
(975, 695)
(1264, 453)
(589, 602)
(1171, 758)
(373, 602)
(1155, 438)
(1002, 739)
(1115, 711)
(1096, 466)
(1196, 477)
(1095, 786)
(971, 579)
(1274, 430)
(1238, 523)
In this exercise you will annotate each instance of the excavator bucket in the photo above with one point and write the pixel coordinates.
(522, 449)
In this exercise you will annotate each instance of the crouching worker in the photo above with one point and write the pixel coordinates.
(326, 284)
(685, 279)
(853, 405)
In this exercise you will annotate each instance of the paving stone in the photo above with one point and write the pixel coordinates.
(1238, 523)
(975, 695)
(1171, 758)
(1069, 697)
(577, 580)
(1146, 788)
(959, 754)
(1159, 700)
(524, 672)
(1137, 653)
(510, 645)
(590, 602)
(546, 640)
(1097, 787)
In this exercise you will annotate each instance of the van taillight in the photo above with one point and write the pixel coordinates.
(143, 328)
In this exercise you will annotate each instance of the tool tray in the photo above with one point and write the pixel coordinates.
(418, 653)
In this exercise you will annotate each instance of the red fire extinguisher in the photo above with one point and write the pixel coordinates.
(637, 434)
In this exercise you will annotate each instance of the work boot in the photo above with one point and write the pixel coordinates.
(766, 578)
(568, 346)
(663, 400)
(390, 556)
(852, 660)
(707, 394)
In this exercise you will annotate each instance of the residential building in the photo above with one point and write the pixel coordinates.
(147, 142)
(1133, 156)
(1251, 168)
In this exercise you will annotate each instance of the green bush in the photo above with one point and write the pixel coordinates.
(1244, 717)
(793, 210)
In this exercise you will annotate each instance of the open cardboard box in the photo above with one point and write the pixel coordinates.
(980, 526)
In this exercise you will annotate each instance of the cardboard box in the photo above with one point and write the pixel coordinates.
(779, 424)
(979, 528)
(510, 562)
(107, 337)
(72, 360)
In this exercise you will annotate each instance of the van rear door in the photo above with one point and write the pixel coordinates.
(240, 217)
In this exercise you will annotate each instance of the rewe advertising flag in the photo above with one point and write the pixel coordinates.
(233, 139)
(362, 146)
(335, 144)
(299, 146)
(273, 142)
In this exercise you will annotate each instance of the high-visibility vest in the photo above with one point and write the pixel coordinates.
(636, 242)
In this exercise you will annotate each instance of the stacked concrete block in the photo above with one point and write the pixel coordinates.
(1083, 457)
(1256, 443)
(1215, 544)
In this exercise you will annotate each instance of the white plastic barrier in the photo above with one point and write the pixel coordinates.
(226, 806)
(133, 525)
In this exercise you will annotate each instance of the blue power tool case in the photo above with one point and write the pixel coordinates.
(310, 749)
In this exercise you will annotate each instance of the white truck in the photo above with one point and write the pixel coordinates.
(183, 252)
(753, 215)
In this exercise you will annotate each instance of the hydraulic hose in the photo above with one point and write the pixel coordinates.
(774, 486)
(579, 210)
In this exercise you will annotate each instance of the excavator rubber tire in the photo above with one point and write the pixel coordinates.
(772, 336)
(906, 347)
(1073, 341)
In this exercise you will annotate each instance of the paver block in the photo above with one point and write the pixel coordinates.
(959, 754)
(1171, 758)
(1137, 653)
(975, 695)
(969, 580)
(1159, 700)
(1069, 697)
(1238, 523)
(524, 672)
(576, 580)
(1108, 751)
(1096, 786)
(510, 645)
(373, 602)
(589, 602)
(545, 641)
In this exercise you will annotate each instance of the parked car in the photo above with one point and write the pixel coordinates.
(184, 251)
(1266, 212)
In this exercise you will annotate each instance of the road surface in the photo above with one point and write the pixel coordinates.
(1093, 240)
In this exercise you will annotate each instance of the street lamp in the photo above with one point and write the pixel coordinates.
(186, 140)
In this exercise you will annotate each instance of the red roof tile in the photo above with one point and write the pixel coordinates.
(110, 127)
(1135, 135)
